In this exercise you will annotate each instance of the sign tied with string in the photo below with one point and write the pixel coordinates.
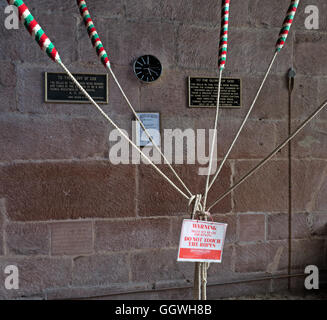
(201, 241)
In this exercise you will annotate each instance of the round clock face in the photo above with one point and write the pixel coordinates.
(147, 68)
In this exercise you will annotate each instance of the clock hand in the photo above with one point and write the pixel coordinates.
(154, 71)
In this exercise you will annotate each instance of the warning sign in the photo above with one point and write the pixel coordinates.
(201, 241)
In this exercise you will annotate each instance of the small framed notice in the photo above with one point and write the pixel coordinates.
(201, 241)
(151, 122)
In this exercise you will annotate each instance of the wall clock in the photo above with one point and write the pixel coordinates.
(147, 68)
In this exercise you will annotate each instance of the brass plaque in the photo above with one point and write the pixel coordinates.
(203, 92)
(59, 88)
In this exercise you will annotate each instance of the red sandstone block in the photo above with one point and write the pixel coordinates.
(277, 226)
(309, 186)
(132, 234)
(302, 225)
(37, 274)
(7, 87)
(56, 30)
(268, 257)
(224, 270)
(27, 239)
(302, 15)
(11, 43)
(157, 197)
(261, 49)
(8, 76)
(308, 252)
(159, 265)
(305, 97)
(71, 238)
(231, 221)
(238, 290)
(272, 16)
(278, 258)
(191, 42)
(2, 217)
(251, 227)
(192, 12)
(101, 270)
(310, 42)
(71, 190)
(43, 138)
(311, 142)
(31, 80)
(266, 190)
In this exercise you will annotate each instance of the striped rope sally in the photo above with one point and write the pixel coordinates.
(223, 34)
(91, 30)
(287, 24)
(35, 30)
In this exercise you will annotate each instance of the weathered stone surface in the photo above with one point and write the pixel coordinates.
(252, 227)
(125, 41)
(7, 87)
(312, 141)
(2, 222)
(262, 48)
(101, 270)
(157, 197)
(302, 15)
(231, 220)
(308, 252)
(56, 30)
(277, 226)
(192, 11)
(159, 265)
(272, 16)
(238, 290)
(100, 9)
(132, 234)
(71, 238)
(27, 239)
(305, 97)
(31, 96)
(225, 269)
(11, 42)
(191, 40)
(37, 274)
(269, 257)
(266, 190)
(306, 225)
(71, 190)
(310, 42)
(34, 138)
(309, 186)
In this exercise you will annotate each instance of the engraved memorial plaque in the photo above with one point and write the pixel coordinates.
(59, 88)
(203, 92)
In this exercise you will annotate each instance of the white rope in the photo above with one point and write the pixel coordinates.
(121, 132)
(244, 121)
(146, 131)
(213, 142)
(251, 172)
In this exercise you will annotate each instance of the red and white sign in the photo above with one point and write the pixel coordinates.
(201, 241)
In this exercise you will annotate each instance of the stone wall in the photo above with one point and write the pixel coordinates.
(78, 226)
